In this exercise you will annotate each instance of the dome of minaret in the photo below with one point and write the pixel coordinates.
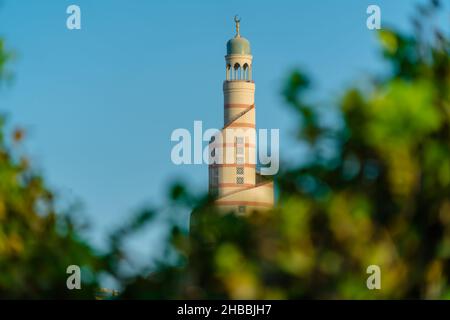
(238, 45)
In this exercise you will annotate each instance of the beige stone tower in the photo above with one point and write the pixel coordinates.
(234, 179)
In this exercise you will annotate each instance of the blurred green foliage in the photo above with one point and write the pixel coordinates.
(36, 246)
(382, 198)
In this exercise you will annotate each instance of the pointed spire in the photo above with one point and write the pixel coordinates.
(237, 20)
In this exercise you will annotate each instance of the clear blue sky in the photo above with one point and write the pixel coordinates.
(99, 104)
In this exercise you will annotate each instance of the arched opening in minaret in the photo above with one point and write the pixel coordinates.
(228, 75)
(237, 72)
(245, 72)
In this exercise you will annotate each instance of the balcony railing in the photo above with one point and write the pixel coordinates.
(239, 80)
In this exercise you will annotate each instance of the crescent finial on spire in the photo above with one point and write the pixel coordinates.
(237, 20)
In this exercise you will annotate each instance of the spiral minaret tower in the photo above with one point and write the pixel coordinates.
(235, 180)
